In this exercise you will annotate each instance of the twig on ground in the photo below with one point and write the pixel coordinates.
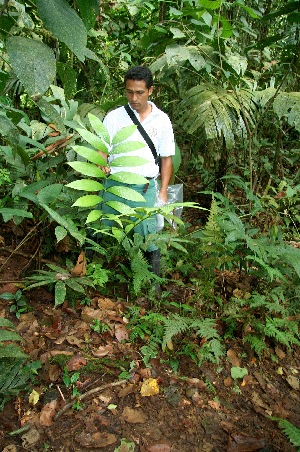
(86, 394)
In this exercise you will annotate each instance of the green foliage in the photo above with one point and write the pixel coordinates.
(290, 430)
(14, 375)
(99, 327)
(216, 112)
(19, 303)
(62, 280)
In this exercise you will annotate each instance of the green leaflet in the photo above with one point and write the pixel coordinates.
(123, 134)
(99, 127)
(90, 154)
(60, 293)
(87, 201)
(127, 193)
(127, 146)
(120, 207)
(92, 139)
(128, 161)
(85, 185)
(87, 169)
(128, 178)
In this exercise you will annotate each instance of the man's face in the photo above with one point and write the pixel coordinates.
(138, 94)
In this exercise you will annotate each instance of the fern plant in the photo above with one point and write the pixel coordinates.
(290, 430)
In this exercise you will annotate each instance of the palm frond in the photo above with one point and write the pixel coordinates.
(216, 111)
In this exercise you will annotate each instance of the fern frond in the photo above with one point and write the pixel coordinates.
(211, 351)
(283, 331)
(291, 431)
(173, 326)
(205, 328)
(256, 343)
(140, 270)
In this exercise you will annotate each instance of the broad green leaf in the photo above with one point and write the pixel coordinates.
(87, 201)
(93, 139)
(58, 93)
(127, 146)
(238, 372)
(128, 178)
(128, 161)
(6, 322)
(123, 134)
(178, 247)
(65, 222)
(196, 59)
(88, 169)
(88, 11)
(8, 213)
(94, 215)
(126, 193)
(60, 233)
(99, 127)
(51, 115)
(49, 194)
(120, 207)
(33, 62)
(177, 33)
(60, 293)
(255, 14)
(118, 234)
(85, 185)
(90, 154)
(6, 335)
(11, 351)
(211, 4)
(64, 24)
(74, 285)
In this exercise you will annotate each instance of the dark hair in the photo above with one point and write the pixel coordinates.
(139, 73)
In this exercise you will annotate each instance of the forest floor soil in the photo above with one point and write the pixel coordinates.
(156, 409)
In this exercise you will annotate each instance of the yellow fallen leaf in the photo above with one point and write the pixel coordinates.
(34, 397)
(149, 387)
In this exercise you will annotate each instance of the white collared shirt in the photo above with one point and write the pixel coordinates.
(159, 128)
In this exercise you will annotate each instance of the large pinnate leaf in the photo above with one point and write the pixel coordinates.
(33, 62)
(64, 24)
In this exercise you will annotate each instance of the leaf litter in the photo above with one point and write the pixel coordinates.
(156, 409)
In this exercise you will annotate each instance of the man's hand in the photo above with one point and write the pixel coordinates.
(165, 176)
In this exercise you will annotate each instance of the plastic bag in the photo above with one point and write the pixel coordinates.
(175, 195)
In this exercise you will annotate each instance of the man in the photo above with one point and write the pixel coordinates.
(139, 87)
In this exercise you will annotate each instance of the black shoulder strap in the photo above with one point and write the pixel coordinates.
(143, 133)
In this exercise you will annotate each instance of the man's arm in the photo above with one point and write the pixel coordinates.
(165, 176)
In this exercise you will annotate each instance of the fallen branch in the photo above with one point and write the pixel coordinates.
(86, 394)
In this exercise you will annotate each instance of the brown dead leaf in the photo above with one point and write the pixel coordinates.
(133, 416)
(121, 334)
(73, 340)
(80, 267)
(106, 304)
(89, 314)
(215, 405)
(280, 353)
(47, 413)
(159, 448)
(233, 358)
(293, 382)
(103, 351)
(241, 443)
(98, 439)
(256, 399)
(76, 362)
(54, 372)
